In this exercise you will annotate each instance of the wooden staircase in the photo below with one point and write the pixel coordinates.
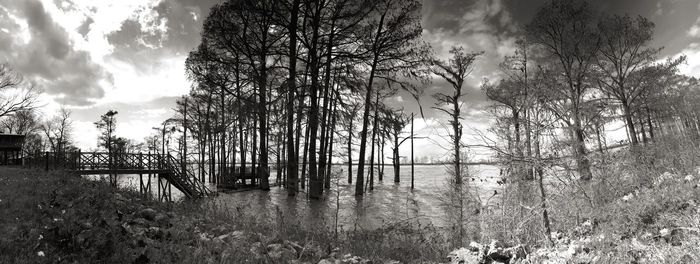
(185, 181)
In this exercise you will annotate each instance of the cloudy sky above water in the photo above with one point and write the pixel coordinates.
(128, 55)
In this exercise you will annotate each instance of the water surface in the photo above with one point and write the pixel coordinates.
(389, 202)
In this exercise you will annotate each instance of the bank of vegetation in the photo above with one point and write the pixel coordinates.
(57, 217)
(301, 84)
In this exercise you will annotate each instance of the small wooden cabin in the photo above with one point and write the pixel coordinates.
(11, 149)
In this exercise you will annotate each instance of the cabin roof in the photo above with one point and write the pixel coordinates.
(11, 142)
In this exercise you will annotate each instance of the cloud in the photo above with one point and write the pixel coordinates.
(692, 65)
(694, 30)
(42, 50)
(134, 121)
(163, 29)
(84, 28)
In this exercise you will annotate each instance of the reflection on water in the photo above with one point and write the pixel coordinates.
(389, 202)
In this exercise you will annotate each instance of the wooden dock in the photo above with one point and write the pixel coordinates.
(237, 178)
(166, 168)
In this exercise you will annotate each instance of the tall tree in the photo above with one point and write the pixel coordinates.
(107, 126)
(565, 30)
(391, 37)
(292, 156)
(454, 71)
(623, 51)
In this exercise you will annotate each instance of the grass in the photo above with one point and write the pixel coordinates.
(641, 207)
(635, 198)
(54, 217)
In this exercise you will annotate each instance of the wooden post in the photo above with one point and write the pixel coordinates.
(412, 163)
(159, 197)
(148, 185)
(170, 192)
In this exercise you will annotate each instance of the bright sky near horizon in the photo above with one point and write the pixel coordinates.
(128, 55)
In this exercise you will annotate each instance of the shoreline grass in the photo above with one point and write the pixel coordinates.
(642, 207)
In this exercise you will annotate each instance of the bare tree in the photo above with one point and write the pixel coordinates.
(22, 122)
(58, 130)
(622, 52)
(15, 93)
(565, 30)
(391, 40)
(454, 71)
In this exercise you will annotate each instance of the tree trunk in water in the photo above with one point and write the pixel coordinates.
(304, 161)
(222, 169)
(241, 122)
(254, 154)
(329, 139)
(262, 111)
(327, 98)
(330, 151)
(374, 135)
(350, 151)
(381, 158)
(315, 184)
(412, 162)
(457, 127)
(397, 162)
(359, 188)
(292, 157)
(278, 167)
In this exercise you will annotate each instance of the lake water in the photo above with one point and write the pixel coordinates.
(389, 202)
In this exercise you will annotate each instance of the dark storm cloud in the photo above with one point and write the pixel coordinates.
(48, 59)
(45, 31)
(144, 48)
(493, 26)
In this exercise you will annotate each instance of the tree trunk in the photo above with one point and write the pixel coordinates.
(292, 157)
(412, 162)
(649, 123)
(350, 150)
(583, 164)
(374, 135)
(332, 137)
(327, 97)
(543, 205)
(365, 116)
(315, 184)
(600, 142)
(457, 127)
(642, 130)
(630, 124)
(304, 162)
(222, 169)
(381, 158)
(262, 112)
(397, 161)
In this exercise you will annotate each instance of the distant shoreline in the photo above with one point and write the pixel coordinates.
(432, 164)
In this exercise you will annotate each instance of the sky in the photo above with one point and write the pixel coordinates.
(128, 55)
